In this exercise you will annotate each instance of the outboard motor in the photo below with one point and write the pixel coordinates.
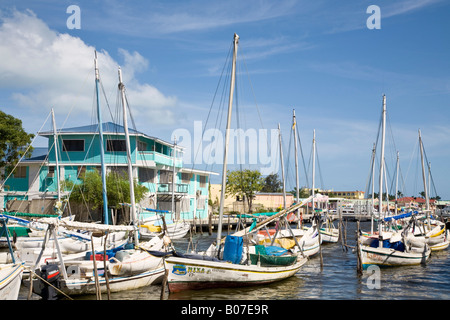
(51, 274)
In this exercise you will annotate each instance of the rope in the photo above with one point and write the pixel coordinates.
(48, 283)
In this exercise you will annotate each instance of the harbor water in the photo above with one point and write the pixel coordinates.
(337, 279)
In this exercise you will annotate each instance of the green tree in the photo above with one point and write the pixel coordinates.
(272, 183)
(89, 190)
(303, 193)
(244, 183)
(14, 142)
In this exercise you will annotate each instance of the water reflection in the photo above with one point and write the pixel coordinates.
(337, 280)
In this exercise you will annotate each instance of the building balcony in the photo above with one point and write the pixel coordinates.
(159, 158)
(167, 188)
(164, 191)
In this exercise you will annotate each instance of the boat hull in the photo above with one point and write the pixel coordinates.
(10, 281)
(390, 257)
(193, 274)
(329, 235)
(116, 284)
(175, 231)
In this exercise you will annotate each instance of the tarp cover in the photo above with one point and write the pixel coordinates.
(232, 251)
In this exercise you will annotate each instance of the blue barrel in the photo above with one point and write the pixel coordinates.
(232, 251)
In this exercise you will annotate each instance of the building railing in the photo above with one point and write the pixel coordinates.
(160, 158)
(167, 188)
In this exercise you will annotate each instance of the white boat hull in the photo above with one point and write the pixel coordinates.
(329, 235)
(193, 274)
(116, 284)
(10, 281)
(390, 257)
(177, 230)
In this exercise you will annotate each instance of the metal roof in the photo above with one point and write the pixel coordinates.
(108, 129)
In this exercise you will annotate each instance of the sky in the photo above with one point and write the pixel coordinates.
(330, 61)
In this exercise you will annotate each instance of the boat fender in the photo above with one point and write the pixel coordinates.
(291, 217)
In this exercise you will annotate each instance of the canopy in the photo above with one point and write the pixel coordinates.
(85, 225)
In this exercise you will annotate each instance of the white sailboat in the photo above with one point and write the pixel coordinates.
(130, 268)
(10, 280)
(10, 273)
(390, 248)
(328, 232)
(307, 238)
(429, 231)
(153, 225)
(210, 269)
(28, 249)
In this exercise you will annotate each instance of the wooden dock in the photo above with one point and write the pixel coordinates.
(230, 222)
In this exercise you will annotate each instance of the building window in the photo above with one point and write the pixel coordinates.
(186, 177)
(202, 181)
(165, 176)
(20, 172)
(73, 145)
(146, 175)
(116, 145)
(142, 146)
(51, 172)
(118, 171)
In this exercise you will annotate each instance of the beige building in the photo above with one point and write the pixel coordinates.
(267, 201)
(358, 195)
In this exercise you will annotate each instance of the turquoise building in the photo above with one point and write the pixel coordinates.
(154, 161)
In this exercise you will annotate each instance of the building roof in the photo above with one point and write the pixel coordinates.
(414, 199)
(109, 128)
(38, 154)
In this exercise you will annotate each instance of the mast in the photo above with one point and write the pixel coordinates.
(427, 202)
(102, 146)
(173, 176)
(373, 188)
(282, 167)
(313, 168)
(396, 183)
(380, 196)
(55, 138)
(130, 167)
(227, 138)
(294, 127)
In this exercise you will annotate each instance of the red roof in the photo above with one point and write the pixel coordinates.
(413, 199)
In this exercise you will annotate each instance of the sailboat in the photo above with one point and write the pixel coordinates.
(427, 230)
(328, 232)
(153, 225)
(151, 220)
(390, 249)
(10, 271)
(28, 248)
(132, 266)
(227, 263)
(283, 234)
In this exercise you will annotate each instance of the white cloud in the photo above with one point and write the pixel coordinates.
(189, 15)
(45, 69)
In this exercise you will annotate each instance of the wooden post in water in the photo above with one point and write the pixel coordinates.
(320, 248)
(97, 286)
(210, 223)
(345, 235)
(341, 226)
(163, 286)
(105, 269)
(201, 226)
(194, 224)
(358, 252)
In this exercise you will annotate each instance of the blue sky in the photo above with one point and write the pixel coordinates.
(317, 57)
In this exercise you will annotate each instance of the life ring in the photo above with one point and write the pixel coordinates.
(291, 217)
